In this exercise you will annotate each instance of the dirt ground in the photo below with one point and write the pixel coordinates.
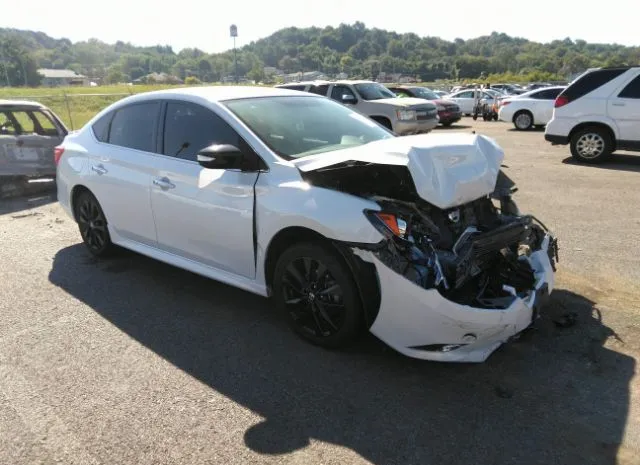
(131, 361)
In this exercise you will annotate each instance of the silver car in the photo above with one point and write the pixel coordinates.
(29, 132)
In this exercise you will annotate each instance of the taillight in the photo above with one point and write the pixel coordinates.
(57, 154)
(561, 101)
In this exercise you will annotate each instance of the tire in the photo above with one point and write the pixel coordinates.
(591, 145)
(92, 224)
(323, 308)
(523, 120)
(447, 125)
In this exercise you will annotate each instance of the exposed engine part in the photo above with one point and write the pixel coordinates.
(477, 256)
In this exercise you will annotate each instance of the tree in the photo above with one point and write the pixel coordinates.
(256, 73)
(18, 66)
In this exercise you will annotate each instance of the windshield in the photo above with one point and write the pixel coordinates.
(295, 127)
(423, 92)
(373, 91)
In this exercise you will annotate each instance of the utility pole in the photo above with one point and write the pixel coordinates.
(233, 30)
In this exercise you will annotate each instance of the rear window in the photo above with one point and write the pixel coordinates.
(591, 81)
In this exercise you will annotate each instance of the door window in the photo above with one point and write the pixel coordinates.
(319, 89)
(8, 126)
(134, 126)
(468, 94)
(339, 91)
(632, 90)
(189, 128)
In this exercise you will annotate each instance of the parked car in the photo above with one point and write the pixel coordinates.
(372, 99)
(533, 108)
(465, 99)
(448, 112)
(29, 132)
(440, 93)
(508, 89)
(342, 223)
(598, 113)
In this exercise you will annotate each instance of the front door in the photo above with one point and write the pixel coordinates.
(205, 215)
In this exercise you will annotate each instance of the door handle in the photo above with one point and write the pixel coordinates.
(164, 183)
(618, 104)
(99, 169)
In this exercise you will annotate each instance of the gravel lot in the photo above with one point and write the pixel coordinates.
(130, 361)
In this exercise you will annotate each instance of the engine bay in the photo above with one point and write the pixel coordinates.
(474, 254)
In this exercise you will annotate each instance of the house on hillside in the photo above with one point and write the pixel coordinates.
(62, 77)
(158, 78)
(307, 76)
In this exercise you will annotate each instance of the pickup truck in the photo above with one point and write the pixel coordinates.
(403, 116)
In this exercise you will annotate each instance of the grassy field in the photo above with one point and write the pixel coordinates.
(77, 105)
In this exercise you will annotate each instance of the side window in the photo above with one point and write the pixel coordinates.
(45, 125)
(7, 124)
(338, 91)
(319, 90)
(25, 122)
(400, 92)
(101, 127)
(467, 94)
(631, 90)
(189, 128)
(547, 94)
(134, 126)
(591, 81)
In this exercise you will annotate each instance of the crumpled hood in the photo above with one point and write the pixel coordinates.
(447, 169)
(404, 102)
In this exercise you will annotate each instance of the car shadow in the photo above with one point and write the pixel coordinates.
(617, 162)
(556, 395)
(15, 198)
(533, 129)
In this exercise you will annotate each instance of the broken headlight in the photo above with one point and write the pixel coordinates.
(388, 224)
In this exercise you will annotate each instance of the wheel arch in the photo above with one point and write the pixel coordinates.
(363, 273)
(597, 124)
(382, 119)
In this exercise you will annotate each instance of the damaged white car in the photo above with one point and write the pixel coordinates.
(299, 198)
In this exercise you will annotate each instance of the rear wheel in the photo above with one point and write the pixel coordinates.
(591, 145)
(93, 225)
(523, 120)
(316, 293)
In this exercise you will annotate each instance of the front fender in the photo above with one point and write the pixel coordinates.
(333, 214)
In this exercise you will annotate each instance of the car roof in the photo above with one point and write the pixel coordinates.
(21, 103)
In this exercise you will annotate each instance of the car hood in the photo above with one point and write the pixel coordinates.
(447, 169)
(404, 102)
(444, 102)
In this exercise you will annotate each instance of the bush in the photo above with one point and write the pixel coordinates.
(192, 81)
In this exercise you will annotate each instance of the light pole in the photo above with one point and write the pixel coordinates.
(233, 30)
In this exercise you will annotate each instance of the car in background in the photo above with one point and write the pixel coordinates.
(598, 113)
(372, 99)
(533, 108)
(29, 132)
(440, 93)
(448, 112)
(508, 89)
(465, 99)
(293, 196)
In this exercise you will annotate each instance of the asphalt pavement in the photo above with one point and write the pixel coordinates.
(131, 361)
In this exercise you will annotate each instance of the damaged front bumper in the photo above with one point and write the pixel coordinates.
(423, 324)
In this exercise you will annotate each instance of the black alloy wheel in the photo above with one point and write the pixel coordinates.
(317, 294)
(93, 225)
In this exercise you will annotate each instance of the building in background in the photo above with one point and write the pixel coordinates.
(62, 77)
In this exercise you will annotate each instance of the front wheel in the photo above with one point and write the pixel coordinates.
(591, 145)
(93, 225)
(315, 291)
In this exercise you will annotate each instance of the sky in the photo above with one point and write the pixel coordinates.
(205, 25)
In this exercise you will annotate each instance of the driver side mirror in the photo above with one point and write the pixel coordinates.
(220, 157)
(348, 98)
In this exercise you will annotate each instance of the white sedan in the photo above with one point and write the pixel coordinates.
(465, 99)
(297, 197)
(533, 108)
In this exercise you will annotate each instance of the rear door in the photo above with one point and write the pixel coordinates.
(542, 103)
(121, 167)
(624, 108)
(464, 100)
